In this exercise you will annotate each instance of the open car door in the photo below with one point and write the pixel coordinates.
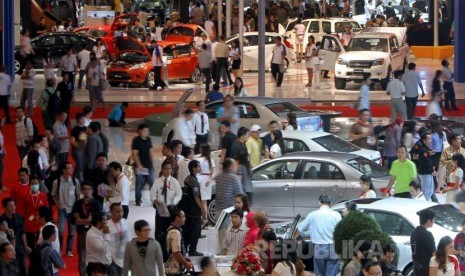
(179, 106)
(329, 52)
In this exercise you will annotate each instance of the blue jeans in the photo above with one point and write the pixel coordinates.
(141, 180)
(427, 185)
(62, 217)
(325, 260)
(115, 270)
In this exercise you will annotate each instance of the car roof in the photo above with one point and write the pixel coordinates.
(250, 34)
(335, 19)
(64, 33)
(393, 204)
(328, 155)
(304, 135)
(376, 35)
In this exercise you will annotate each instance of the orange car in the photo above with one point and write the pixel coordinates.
(134, 63)
(184, 33)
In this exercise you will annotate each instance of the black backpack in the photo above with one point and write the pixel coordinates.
(35, 266)
(162, 241)
(54, 103)
(35, 131)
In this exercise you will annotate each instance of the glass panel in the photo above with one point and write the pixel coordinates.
(448, 217)
(368, 167)
(293, 145)
(247, 110)
(334, 143)
(392, 224)
(320, 170)
(276, 170)
(314, 27)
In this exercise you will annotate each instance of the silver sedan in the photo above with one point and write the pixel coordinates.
(291, 185)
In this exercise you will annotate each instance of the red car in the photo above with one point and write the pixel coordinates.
(133, 65)
(184, 33)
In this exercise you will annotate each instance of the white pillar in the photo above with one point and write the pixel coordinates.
(219, 17)
(17, 20)
(436, 23)
(228, 18)
(241, 33)
(261, 48)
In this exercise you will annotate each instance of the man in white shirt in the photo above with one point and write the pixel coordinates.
(165, 194)
(368, 10)
(84, 59)
(183, 172)
(28, 77)
(396, 90)
(69, 65)
(347, 36)
(320, 225)
(415, 191)
(5, 85)
(184, 129)
(119, 236)
(279, 52)
(448, 85)
(43, 152)
(157, 63)
(98, 242)
(210, 27)
(411, 80)
(201, 126)
(121, 184)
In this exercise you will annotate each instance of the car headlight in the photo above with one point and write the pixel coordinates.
(379, 61)
(341, 61)
(137, 66)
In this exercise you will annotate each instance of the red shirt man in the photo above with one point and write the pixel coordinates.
(20, 191)
(34, 200)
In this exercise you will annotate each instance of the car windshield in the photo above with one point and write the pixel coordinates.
(368, 44)
(281, 109)
(334, 143)
(367, 167)
(459, 130)
(181, 31)
(355, 26)
(448, 217)
(134, 56)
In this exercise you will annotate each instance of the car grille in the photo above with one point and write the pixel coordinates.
(360, 64)
(118, 76)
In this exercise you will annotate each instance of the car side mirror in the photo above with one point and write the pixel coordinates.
(394, 50)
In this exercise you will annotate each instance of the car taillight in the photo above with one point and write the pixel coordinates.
(288, 44)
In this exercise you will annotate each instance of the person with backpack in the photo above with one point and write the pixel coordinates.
(24, 132)
(176, 263)
(61, 134)
(65, 88)
(50, 103)
(66, 190)
(45, 257)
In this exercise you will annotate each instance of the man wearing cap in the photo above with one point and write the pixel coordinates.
(319, 225)
(255, 146)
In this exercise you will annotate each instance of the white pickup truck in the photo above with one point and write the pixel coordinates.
(376, 52)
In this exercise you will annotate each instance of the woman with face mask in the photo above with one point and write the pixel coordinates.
(35, 199)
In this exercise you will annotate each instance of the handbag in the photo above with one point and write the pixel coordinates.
(282, 68)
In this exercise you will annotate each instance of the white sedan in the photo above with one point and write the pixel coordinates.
(250, 51)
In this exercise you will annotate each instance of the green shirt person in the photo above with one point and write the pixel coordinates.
(403, 171)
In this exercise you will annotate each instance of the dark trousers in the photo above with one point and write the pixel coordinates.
(208, 78)
(161, 225)
(277, 75)
(82, 254)
(22, 151)
(199, 140)
(31, 239)
(115, 270)
(157, 78)
(450, 95)
(72, 77)
(62, 157)
(113, 123)
(2, 167)
(125, 211)
(5, 103)
(403, 195)
(222, 64)
(193, 228)
(21, 261)
(411, 104)
(82, 73)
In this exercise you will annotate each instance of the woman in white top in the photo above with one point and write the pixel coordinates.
(292, 122)
(235, 56)
(299, 29)
(455, 177)
(239, 90)
(368, 190)
(242, 203)
(49, 65)
(277, 149)
(207, 172)
(310, 55)
(99, 48)
(444, 263)
(283, 266)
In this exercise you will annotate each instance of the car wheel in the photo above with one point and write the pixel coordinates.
(17, 66)
(211, 212)
(340, 83)
(408, 271)
(196, 75)
(150, 79)
(385, 81)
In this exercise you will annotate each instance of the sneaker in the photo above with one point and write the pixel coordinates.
(70, 254)
(137, 203)
(195, 254)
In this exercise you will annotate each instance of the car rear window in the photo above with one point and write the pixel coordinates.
(367, 167)
(448, 217)
(281, 109)
(334, 143)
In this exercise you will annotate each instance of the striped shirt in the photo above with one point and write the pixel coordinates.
(228, 185)
(50, 257)
(233, 240)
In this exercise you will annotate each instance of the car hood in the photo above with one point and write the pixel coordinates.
(373, 155)
(129, 44)
(363, 55)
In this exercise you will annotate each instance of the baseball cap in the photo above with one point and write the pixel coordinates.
(255, 128)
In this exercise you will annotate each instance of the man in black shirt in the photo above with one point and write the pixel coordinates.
(227, 141)
(422, 243)
(389, 11)
(425, 166)
(82, 210)
(192, 203)
(41, 28)
(239, 148)
(143, 154)
(16, 223)
(78, 145)
(99, 175)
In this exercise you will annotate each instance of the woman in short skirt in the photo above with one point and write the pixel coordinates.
(207, 172)
(310, 58)
(235, 56)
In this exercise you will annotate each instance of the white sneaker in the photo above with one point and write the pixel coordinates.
(70, 254)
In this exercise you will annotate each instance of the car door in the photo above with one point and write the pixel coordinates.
(273, 184)
(397, 58)
(329, 52)
(314, 179)
(42, 46)
(249, 114)
(269, 46)
(251, 52)
(182, 62)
